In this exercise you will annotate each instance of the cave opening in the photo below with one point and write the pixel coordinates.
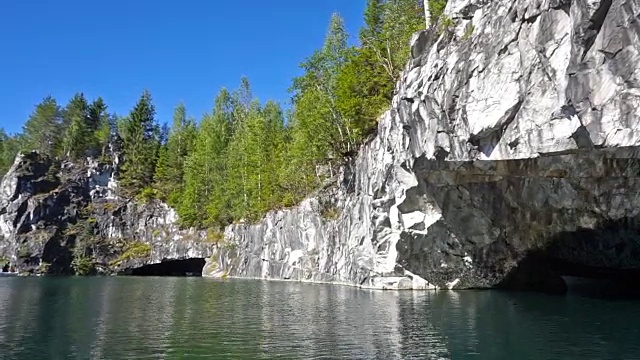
(602, 262)
(186, 267)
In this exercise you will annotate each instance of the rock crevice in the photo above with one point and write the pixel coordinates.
(499, 141)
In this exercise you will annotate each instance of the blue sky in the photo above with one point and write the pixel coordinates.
(180, 51)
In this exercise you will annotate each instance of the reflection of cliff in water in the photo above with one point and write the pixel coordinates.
(322, 320)
(125, 317)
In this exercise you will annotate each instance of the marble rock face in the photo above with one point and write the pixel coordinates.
(50, 209)
(508, 157)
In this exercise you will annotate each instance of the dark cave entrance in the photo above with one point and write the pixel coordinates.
(187, 267)
(603, 262)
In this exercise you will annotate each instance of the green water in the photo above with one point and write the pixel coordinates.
(191, 318)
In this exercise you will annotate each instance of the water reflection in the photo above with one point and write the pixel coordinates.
(178, 318)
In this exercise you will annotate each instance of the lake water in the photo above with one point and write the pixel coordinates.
(191, 318)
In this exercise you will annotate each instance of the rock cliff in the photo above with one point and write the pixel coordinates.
(509, 157)
(64, 218)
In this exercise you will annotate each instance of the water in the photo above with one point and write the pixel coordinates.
(191, 318)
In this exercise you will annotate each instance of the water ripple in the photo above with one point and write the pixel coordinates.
(178, 318)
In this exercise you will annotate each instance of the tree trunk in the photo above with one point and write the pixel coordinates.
(427, 14)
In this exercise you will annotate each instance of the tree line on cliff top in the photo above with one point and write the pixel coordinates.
(244, 157)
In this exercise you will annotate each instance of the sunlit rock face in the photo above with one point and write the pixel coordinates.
(511, 132)
(51, 210)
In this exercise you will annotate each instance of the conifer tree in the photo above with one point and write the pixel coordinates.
(42, 130)
(274, 130)
(100, 124)
(319, 122)
(243, 159)
(170, 169)
(365, 83)
(140, 134)
(9, 147)
(204, 172)
(77, 135)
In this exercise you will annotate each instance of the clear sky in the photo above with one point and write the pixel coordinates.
(179, 50)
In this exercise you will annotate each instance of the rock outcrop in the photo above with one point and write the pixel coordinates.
(64, 218)
(509, 157)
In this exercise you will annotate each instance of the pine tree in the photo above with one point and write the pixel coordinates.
(436, 9)
(373, 21)
(365, 82)
(275, 147)
(9, 147)
(315, 99)
(41, 132)
(101, 125)
(140, 135)
(76, 137)
(205, 173)
(402, 18)
(242, 160)
(170, 169)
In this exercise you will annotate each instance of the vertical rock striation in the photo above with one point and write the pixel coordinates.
(509, 157)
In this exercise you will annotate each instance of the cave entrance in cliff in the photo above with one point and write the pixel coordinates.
(187, 267)
(602, 262)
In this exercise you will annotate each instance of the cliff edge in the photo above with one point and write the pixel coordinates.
(508, 158)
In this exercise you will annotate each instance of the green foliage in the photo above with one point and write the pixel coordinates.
(244, 157)
(330, 213)
(172, 157)
(76, 137)
(109, 206)
(82, 265)
(43, 267)
(136, 250)
(101, 124)
(140, 137)
(214, 236)
(77, 130)
(23, 251)
(205, 172)
(42, 130)
(365, 82)
(245, 161)
(363, 95)
(52, 172)
(73, 229)
(147, 195)
(9, 147)
(468, 31)
(84, 240)
(436, 9)
(446, 24)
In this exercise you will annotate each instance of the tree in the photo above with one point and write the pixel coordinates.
(9, 147)
(172, 157)
(319, 121)
(402, 18)
(77, 136)
(101, 125)
(365, 82)
(41, 132)
(373, 20)
(205, 168)
(242, 159)
(140, 136)
(436, 9)
(274, 148)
